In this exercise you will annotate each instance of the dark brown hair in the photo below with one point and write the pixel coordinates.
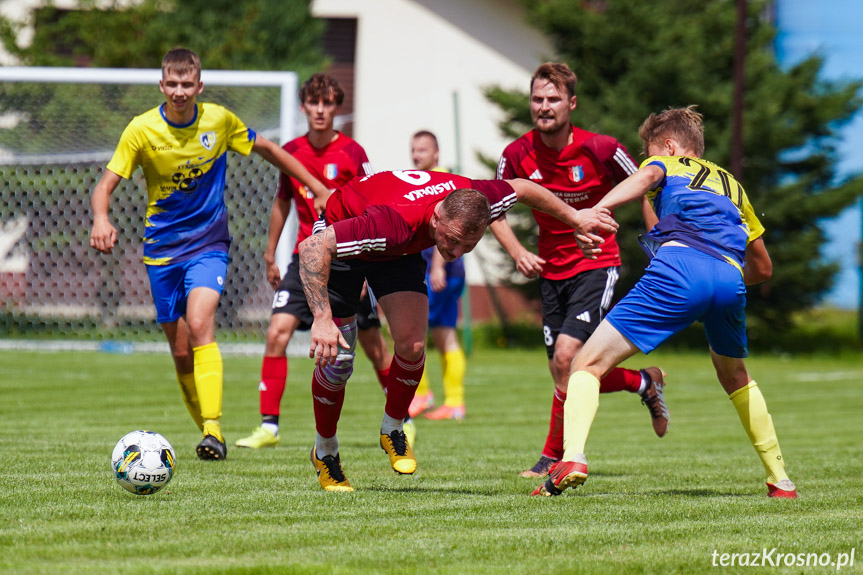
(559, 74)
(319, 86)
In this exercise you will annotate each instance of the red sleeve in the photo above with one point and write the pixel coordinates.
(612, 156)
(506, 167)
(364, 166)
(501, 196)
(379, 233)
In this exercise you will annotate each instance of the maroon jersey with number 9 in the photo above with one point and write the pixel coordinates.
(387, 215)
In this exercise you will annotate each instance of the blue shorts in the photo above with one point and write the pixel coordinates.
(680, 286)
(171, 284)
(443, 305)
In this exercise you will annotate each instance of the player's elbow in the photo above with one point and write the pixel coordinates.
(758, 271)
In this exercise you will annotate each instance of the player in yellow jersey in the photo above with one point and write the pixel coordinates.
(706, 245)
(182, 148)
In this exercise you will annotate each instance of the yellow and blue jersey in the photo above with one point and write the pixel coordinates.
(703, 206)
(184, 167)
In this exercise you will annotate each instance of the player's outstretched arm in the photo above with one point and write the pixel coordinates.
(527, 263)
(291, 166)
(633, 187)
(585, 222)
(316, 254)
(103, 235)
(630, 189)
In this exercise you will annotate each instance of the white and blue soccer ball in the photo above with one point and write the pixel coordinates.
(143, 462)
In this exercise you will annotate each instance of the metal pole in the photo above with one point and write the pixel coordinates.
(467, 337)
(860, 267)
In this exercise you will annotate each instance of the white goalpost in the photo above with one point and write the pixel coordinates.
(58, 129)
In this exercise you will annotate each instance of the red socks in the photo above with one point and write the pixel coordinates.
(618, 379)
(554, 442)
(383, 377)
(402, 385)
(274, 374)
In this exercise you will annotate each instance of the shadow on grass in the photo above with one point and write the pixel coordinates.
(693, 493)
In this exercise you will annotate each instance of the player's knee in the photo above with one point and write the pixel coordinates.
(277, 339)
(183, 361)
(410, 350)
(338, 373)
(562, 364)
(198, 327)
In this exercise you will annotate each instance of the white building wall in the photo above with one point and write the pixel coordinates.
(414, 55)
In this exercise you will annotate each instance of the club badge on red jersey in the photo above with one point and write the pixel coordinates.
(576, 173)
(331, 171)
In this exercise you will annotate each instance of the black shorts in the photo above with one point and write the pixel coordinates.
(367, 314)
(290, 297)
(575, 306)
(406, 273)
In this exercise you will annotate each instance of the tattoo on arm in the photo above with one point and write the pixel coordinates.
(316, 254)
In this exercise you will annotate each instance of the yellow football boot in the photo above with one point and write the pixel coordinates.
(259, 438)
(330, 474)
(401, 456)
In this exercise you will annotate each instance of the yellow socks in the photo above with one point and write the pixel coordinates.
(423, 387)
(454, 366)
(752, 409)
(208, 381)
(190, 397)
(582, 401)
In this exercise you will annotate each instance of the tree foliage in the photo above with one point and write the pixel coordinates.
(53, 119)
(635, 57)
(277, 35)
(228, 35)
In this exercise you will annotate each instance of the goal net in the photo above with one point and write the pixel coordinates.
(58, 129)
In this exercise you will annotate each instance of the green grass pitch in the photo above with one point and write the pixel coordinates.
(650, 505)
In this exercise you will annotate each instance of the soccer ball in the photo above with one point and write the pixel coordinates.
(143, 462)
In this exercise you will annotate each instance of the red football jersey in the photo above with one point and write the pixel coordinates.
(335, 164)
(580, 175)
(387, 215)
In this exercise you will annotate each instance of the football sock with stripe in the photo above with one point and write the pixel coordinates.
(578, 412)
(752, 410)
(403, 381)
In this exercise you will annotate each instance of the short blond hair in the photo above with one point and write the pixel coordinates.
(181, 61)
(467, 208)
(683, 124)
